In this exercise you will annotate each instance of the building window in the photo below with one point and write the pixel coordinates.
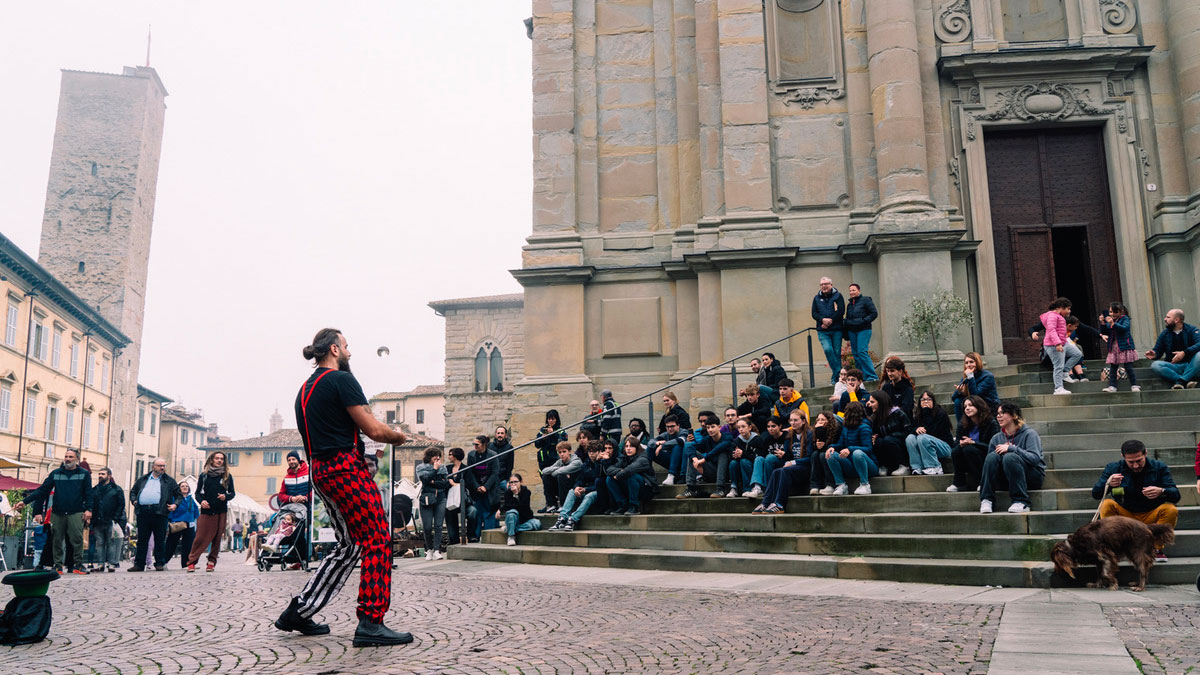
(5, 404)
(87, 432)
(10, 327)
(420, 416)
(272, 459)
(101, 439)
(141, 467)
(271, 485)
(40, 340)
(153, 422)
(30, 414)
(70, 435)
(183, 436)
(231, 459)
(489, 368)
(51, 423)
(104, 374)
(390, 416)
(141, 418)
(49, 450)
(56, 350)
(90, 368)
(182, 467)
(75, 358)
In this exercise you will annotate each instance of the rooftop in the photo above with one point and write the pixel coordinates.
(151, 394)
(284, 439)
(480, 302)
(422, 390)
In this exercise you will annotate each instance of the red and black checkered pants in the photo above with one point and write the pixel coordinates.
(356, 512)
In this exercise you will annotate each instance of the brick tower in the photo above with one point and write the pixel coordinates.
(99, 213)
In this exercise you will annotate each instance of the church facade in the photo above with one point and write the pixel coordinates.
(699, 165)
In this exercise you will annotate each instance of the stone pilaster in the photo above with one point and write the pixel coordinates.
(1183, 28)
(708, 78)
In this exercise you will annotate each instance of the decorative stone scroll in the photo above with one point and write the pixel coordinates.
(1118, 16)
(953, 22)
(1044, 102)
(807, 97)
(804, 51)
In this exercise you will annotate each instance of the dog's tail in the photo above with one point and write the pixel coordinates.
(1164, 535)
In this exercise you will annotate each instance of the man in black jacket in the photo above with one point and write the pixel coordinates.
(860, 314)
(518, 516)
(1140, 488)
(108, 510)
(828, 308)
(483, 485)
(153, 496)
(72, 488)
(499, 445)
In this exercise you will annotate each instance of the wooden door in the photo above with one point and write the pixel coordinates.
(1040, 180)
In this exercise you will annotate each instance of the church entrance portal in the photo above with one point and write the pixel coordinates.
(1052, 227)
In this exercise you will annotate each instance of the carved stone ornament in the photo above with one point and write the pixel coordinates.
(953, 23)
(1044, 102)
(807, 97)
(1118, 16)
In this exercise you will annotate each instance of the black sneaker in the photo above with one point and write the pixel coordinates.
(371, 634)
(159, 568)
(633, 511)
(687, 494)
(544, 509)
(569, 526)
(291, 620)
(137, 568)
(558, 525)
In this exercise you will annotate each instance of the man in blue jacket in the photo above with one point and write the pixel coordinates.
(828, 308)
(1140, 488)
(860, 314)
(712, 449)
(1176, 354)
(72, 488)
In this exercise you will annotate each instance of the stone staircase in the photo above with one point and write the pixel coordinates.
(910, 529)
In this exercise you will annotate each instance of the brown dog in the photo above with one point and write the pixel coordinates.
(1104, 542)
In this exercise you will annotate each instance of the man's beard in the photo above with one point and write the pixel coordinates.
(70, 465)
(344, 363)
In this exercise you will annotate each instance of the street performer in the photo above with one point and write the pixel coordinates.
(331, 409)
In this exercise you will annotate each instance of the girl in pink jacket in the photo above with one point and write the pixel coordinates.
(1055, 341)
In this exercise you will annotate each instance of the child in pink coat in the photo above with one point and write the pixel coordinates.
(1055, 341)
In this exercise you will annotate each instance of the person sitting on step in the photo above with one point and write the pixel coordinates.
(890, 425)
(637, 429)
(839, 388)
(713, 450)
(666, 449)
(696, 437)
(565, 467)
(631, 480)
(1138, 487)
(776, 449)
(748, 445)
(789, 400)
(671, 404)
(976, 382)
(1075, 331)
(1121, 352)
(514, 507)
(931, 437)
(756, 409)
(1176, 354)
(584, 492)
(1014, 461)
(854, 390)
(796, 471)
(976, 428)
(853, 452)
(827, 433)
(898, 384)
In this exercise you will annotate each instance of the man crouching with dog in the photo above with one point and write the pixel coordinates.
(1140, 488)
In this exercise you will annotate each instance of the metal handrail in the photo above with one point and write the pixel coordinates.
(756, 350)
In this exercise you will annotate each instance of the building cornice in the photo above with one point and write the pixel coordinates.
(1175, 242)
(553, 276)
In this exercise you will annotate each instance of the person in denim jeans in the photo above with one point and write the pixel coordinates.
(828, 308)
(855, 452)
(1176, 353)
(777, 448)
(629, 478)
(514, 504)
(860, 313)
(585, 491)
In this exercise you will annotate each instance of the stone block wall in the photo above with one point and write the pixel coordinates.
(469, 413)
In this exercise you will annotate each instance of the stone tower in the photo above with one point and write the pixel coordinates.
(99, 213)
(276, 421)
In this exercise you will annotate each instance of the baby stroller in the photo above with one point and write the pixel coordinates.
(291, 549)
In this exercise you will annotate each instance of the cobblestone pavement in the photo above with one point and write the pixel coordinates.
(175, 622)
(1164, 638)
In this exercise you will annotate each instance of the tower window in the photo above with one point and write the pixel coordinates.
(489, 368)
(81, 267)
(93, 168)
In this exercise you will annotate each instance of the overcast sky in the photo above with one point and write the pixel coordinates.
(320, 166)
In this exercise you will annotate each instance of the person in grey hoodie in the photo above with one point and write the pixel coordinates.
(435, 486)
(1014, 461)
(564, 469)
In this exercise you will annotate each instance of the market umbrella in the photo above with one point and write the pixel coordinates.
(10, 483)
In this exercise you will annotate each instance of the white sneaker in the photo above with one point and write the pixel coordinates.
(1060, 391)
(429, 555)
(1108, 390)
(732, 493)
(438, 555)
(1069, 380)
(841, 489)
(933, 471)
(1136, 387)
(864, 489)
(755, 493)
(952, 488)
(901, 471)
(812, 492)
(985, 506)
(670, 480)
(512, 541)
(883, 471)
(827, 490)
(1018, 507)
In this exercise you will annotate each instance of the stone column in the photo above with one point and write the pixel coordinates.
(711, 337)
(746, 144)
(708, 78)
(896, 103)
(1183, 28)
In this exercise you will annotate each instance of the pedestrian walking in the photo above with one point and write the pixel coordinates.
(153, 497)
(181, 526)
(108, 521)
(214, 491)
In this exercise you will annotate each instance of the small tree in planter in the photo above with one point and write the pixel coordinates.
(935, 318)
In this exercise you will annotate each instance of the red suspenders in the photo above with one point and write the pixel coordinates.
(304, 410)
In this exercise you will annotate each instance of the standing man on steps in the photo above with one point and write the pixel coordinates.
(331, 409)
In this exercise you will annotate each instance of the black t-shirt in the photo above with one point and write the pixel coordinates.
(329, 427)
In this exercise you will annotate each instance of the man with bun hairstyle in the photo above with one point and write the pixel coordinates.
(331, 410)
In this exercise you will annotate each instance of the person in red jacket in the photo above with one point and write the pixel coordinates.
(295, 488)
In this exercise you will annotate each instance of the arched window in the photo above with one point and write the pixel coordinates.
(497, 370)
(481, 370)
